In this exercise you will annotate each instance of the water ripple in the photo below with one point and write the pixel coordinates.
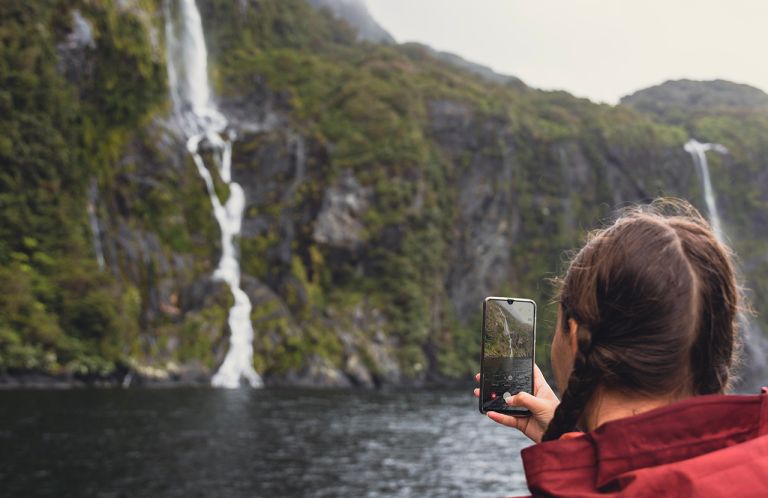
(206, 442)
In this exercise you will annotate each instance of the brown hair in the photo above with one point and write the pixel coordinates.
(655, 299)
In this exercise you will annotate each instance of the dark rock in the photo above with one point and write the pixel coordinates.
(258, 110)
(76, 53)
(202, 293)
(369, 355)
(487, 226)
(316, 372)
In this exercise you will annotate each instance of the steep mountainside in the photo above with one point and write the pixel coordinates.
(387, 192)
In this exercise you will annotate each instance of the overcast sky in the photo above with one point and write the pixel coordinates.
(600, 49)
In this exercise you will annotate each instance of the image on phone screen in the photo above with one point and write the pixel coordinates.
(508, 348)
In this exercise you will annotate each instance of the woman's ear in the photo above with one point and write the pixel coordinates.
(573, 339)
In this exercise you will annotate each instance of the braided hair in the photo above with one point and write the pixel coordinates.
(655, 300)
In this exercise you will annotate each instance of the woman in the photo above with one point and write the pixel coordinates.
(646, 325)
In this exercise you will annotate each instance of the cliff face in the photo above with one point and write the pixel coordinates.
(387, 193)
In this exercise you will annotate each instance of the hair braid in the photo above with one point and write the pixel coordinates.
(581, 385)
(712, 351)
(655, 299)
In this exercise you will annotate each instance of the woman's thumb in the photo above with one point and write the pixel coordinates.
(529, 401)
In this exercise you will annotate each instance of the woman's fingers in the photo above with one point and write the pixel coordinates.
(541, 406)
(508, 420)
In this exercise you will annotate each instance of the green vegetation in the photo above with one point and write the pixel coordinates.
(549, 165)
(58, 313)
(369, 104)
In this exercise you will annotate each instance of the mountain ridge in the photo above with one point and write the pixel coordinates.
(675, 101)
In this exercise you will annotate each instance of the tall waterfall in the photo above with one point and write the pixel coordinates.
(755, 343)
(204, 127)
(698, 152)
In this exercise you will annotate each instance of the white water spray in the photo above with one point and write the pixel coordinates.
(698, 152)
(508, 333)
(204, 125)
(755, 343)
(93, 218)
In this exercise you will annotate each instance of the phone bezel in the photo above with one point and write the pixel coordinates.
(514, 413)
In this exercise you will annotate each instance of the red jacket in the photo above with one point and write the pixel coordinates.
(709, 446)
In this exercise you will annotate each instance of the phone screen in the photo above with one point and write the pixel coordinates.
(509, 334)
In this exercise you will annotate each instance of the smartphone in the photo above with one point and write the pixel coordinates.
(506, 366)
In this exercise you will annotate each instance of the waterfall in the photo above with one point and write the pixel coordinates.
(508, 333)
(698, 152)
(93, 218)
(204, 128)
(755, 343)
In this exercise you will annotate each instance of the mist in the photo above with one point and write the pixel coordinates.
(597, 49)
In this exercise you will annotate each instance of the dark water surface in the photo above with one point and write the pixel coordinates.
(199, 442)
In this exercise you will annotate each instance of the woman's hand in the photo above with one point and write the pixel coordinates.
(542, 404)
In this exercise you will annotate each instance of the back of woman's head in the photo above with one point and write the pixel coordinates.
(655, 299)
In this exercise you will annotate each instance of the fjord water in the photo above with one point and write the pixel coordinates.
(755, 371)
(205, 130)
(201, 442)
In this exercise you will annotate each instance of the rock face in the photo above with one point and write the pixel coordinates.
(386, 194)
(73, 51)
(488, 221)
(339, 223)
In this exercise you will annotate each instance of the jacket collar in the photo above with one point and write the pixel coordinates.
(676, 432)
